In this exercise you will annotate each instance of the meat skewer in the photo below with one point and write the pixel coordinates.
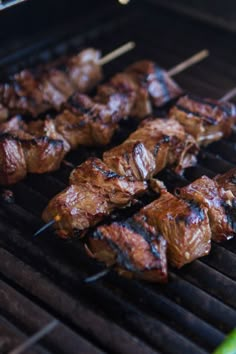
(83, 121)
(202, 211)
(156, 144)
(33, 93)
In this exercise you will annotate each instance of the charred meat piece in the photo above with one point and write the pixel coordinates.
(205, 119)
(119, 188)
(84, 122)
(32, 148)
(79, 207)
(157, 143)
(131, 98)
(227, 180)
(155, 81)
(84, 70)
(46, 128)
(88, 201)
(42, 154)
(12, 160)
(34, 92)
(221, 205)
(133, 247)
(184, 225)
(22, 154)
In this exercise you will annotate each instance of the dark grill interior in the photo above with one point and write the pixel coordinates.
(42, 279)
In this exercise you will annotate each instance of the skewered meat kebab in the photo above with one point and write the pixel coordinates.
(174, 228)
(83, 121)
(156, 144)
(205, 119)
(35, 92)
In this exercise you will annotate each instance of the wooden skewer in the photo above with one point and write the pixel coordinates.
(228, 95)
(196, 58)
(117, 53)
(111, 56)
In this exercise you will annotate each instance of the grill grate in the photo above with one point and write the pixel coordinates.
(42, 280)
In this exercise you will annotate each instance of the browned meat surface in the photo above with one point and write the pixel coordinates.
(135, 100)
(84, 70)
(84, 122)
(34, 92)
(157, 143)
(119, 188)
(43, 154)
(155, 81)
(12, 160)
(25, 151)
(205, 119)
(221, 205)
(46, 128)
(227, 180)
(143, 85)
(88, 201)
(134, 248)
(183, 224)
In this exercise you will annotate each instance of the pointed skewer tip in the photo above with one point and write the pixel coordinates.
(46, 226)
(97, 276)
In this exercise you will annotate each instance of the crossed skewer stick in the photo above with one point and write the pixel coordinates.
(196, 58)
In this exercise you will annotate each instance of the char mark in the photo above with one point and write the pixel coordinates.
(195, 212)
(208, 119)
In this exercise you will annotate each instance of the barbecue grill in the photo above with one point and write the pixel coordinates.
(42, 279)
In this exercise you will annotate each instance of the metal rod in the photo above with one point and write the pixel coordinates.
(117, 53)
(97, 276)
(44, 227)
(196, 58)
(35, 338)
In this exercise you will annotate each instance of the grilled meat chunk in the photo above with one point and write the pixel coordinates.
(227, 181)
(88, 201)
(155, 81)
(205, 119)
(22, 153)
(84, 70)
(12, 160)
(134, 99)
(184, 225)
(28, 149)
(34, 92)
(221, 205)
(135, 249)
(157, 143)
(84, 122)
(142, 85)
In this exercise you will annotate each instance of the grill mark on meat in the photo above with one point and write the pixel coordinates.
(33, 140)
(195, 212)
(135, 226)
(166, 139)
(78, 106)
(227, 108)
(109, 174)
(207, 119)
(121, 258)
